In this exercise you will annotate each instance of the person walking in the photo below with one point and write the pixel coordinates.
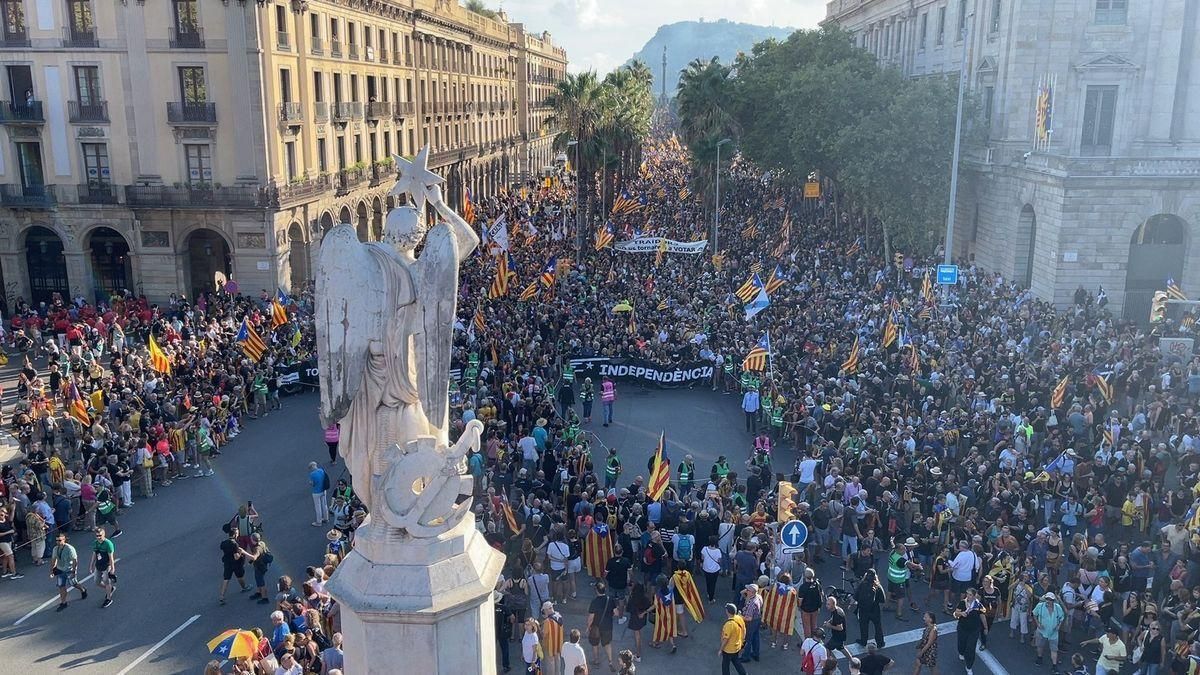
(870, 598)
(63, 569)
(750, 404)
(927, 646)
(8, 535)
(752, 614)
(104, 565)
(733, 638)
(333, 434)
(1112, 651)
(971, 622)
(608, 395)
(318, 481)
(233, 564)
(874, 663)
(1048, 618)
(587, 394)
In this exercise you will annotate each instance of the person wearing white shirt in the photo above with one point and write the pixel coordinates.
(573, 654)
(963, 568)
(815, 645)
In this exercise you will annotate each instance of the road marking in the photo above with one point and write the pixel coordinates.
(146, 654)
(54, 599)
(914, 635)
(907, 637)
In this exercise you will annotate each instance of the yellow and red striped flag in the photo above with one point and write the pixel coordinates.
(529, 293)
(597, 549)
(685, 589)
(1060, 392)
(665, 626)
(499, 287)
(252, 345)
(509, 517)
(779, 608)
(660, 476)
(159, 360)
(78, 408)
(279, 315)
(850, 365)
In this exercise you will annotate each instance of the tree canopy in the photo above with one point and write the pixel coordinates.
(815, 102)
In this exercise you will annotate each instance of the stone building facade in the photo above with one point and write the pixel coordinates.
(1089, 174)
(159, 145)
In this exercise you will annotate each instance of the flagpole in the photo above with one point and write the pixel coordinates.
(770, 357)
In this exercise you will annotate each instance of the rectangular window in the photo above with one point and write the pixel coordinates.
(371, 145)
(1111, 12)
(81, 19)
(337, 88)
(1099, 112)
(341, 153)
(357, 148)
(14, 20)
(924, 32)
(187, 16)
(941, 26)
(387, 144)
(192, 87)
(995, 23)
(318, 86)
(322, 165)
(87, 85)
(199, 163)
(989, 97)
(95, 164)
(290, 154)
(962, 20)
(314, 22)
(285, 85)
(281, 28)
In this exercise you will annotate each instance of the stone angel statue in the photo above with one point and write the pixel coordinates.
(384, 323)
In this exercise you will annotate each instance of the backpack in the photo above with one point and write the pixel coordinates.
(648, 556)
(809, 665)
(684, 548)
(324, 480)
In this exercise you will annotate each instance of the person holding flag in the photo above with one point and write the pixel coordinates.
(779, 610)
(660, 474)
(665, 625)
(687, 598)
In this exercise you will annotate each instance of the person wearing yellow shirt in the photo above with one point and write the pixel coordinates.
(733, 637)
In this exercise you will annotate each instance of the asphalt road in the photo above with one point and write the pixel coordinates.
(169, 567)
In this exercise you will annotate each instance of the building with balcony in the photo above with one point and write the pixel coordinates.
(1089, 171)
(160, 146)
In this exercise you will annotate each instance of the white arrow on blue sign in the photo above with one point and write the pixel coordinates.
(947, 274)
(792, 537)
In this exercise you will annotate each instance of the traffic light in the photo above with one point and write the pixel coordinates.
(1158, 307)
(899, 258)
(787, 502)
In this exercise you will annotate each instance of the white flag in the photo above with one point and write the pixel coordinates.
(758, 304)
(497, 234)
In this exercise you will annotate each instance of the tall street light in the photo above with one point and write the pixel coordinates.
(717, 213)
(958, 115)
(578, 209)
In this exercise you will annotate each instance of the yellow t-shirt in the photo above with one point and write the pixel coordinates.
(1109, 652)
(733, 635)
(1128, 510)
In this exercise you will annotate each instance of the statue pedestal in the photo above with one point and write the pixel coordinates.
(418, 605)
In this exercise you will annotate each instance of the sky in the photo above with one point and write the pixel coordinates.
(603, 34)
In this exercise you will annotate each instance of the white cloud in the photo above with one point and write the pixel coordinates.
(602, 34)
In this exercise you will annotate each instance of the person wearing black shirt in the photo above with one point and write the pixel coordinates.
(616, 573)
(234, 563)
(870, 598)
(836, 625)
(971, 623)
(874, 663)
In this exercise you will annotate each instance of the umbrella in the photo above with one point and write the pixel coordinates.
(234, 643)
(622, 306)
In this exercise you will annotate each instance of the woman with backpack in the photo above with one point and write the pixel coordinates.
(260, 557)
(685, 546)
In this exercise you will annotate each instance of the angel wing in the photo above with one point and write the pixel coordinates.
(439, 297)
(351, 309)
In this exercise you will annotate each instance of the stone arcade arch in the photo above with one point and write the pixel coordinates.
(46, 264)
(111, 264)
(1157, 250)
(206, 253)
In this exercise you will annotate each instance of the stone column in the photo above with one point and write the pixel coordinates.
(418, 605)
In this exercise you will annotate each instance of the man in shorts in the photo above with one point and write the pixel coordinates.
(104, 565)
(1049, 617)
(63, 570)
(233, 564)
(106, 511)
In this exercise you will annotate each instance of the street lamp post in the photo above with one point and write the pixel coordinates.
(958, 115)
(717, 212)
(578, 210)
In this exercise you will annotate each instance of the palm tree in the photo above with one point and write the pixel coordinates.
(706, 115)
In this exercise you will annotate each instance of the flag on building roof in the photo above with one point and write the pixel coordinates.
(660, 474)
(159, 360)
(252, 345)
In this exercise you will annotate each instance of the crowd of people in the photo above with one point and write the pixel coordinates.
(986, 456)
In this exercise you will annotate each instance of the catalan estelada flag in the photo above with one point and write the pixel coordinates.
(890, 330)
(665, 627)
(660, 476)
(748, 289)
(605, 236)
(552, 635)
(549, 272)
(478, 320)
(1106, 389)
(1060, 392)
(529, 293)
(279, 315)
(597, 550)
(758, 357)
(625, 205)
(855, 247)
(468, 211)
(779, 608)
(1175, 291)
(927, 289)
(499, 287)
(252, 345)
(777, 279)
(159, 360)
(850, 365)
(687, 593)
(78, 408)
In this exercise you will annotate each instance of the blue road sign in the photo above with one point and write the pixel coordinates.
(792, 537)
(947, 274)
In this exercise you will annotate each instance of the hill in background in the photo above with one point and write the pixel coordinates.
(688, 40)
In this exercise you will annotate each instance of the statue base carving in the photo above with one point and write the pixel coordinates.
(418, 606)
